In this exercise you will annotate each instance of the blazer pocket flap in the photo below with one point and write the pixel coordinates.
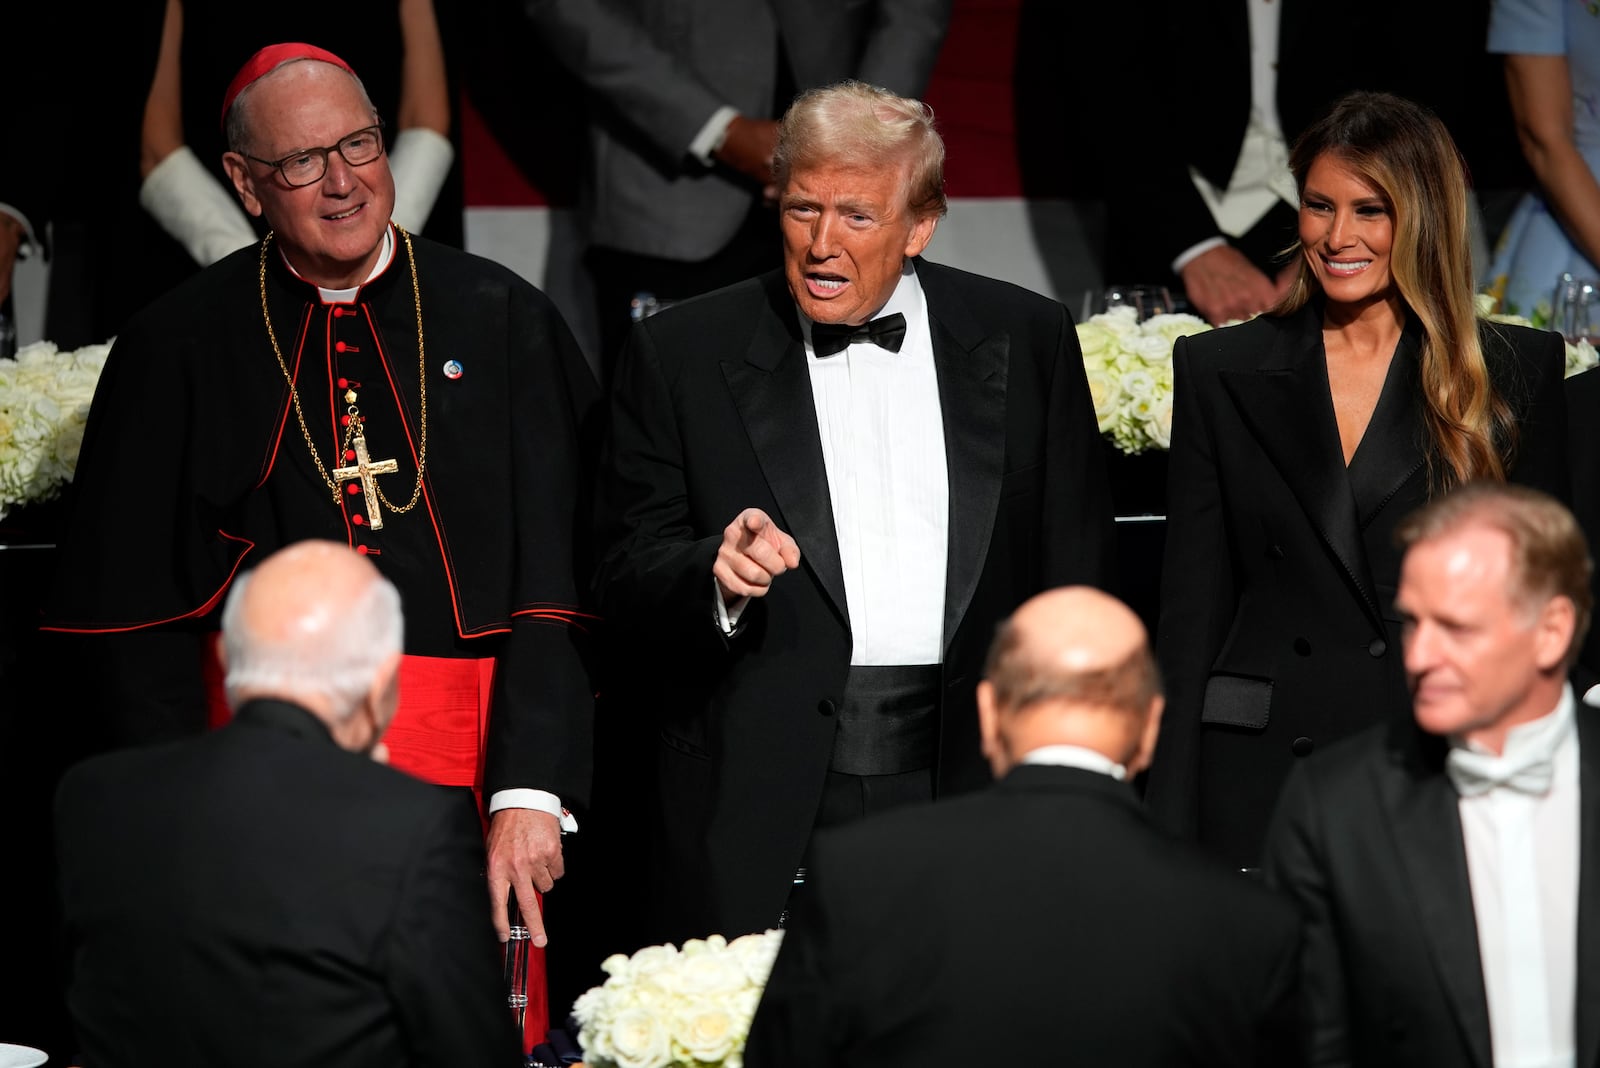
(1236, 701)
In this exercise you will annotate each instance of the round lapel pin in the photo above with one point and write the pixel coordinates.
(452, 368)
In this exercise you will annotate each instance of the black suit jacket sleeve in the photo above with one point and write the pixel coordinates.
(1529, 367)
(1583, 419)
(541, 733)
(1198, 593)
(655, 571)
(1296, 864)
(439, 953)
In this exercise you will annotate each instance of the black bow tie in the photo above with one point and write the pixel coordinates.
(830, 338)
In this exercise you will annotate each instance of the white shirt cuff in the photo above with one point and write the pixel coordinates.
(727, 614)
(538, 800)
(1188, 255)
(709, 139)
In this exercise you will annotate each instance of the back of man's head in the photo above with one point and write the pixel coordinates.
(1072, 666)
(317, 625)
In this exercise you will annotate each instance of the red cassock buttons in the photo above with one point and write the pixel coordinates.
(353, 489)
(362, 549)
(349, 455)
(338, 346)
(358, 519)
(344, 420)
(344, 383)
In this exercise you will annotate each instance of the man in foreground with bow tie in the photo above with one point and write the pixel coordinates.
(822, 488)
(1449, 870)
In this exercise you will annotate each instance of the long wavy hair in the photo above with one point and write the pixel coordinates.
(1404, 150)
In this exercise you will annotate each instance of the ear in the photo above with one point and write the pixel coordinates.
(1557, 621)
(243, 182)
(921, 234)
(383, 695)
(1148, 735)
(989, 726)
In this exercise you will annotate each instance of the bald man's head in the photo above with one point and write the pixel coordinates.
(317, 625)
(1072, 666)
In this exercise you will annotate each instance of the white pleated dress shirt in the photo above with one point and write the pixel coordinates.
(1522, 861)
(882, 432)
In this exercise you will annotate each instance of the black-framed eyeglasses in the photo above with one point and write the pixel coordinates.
(309, 164)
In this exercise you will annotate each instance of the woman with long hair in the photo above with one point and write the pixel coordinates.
(1301, 438)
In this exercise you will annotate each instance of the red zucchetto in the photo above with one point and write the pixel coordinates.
(268, 59)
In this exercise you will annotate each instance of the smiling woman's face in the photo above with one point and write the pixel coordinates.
(1346, 232)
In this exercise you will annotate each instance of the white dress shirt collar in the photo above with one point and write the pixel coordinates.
(1075, 756)
(347, 296)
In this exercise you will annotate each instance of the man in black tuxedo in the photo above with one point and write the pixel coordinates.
(1448, 870)
(1081, 933)
(809, 525)
(269, 893)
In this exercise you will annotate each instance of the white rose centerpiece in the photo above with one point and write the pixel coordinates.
(666, 1007)
(44, 404)
(1129, 367)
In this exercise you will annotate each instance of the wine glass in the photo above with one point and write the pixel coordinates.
(1145, 300)
(1575, 311)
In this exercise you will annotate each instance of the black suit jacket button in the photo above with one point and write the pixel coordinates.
(1302, 647)
(826, 707)
(1274, 552)
(1302, 746)
(1378, 647)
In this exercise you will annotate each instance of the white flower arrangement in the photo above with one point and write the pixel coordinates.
(1129, 366)
(669, 1008)
(44, 404)
(1580, 354)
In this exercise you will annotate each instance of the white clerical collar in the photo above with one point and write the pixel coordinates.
(1536, 739)
(907, 299)
(347, 296)
(1075, 756)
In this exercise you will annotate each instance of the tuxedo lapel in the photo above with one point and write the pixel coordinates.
(1389, 452)
(1426, 825)
(771, 387)
(1588, 992)
(972, 368)
(1285, 404)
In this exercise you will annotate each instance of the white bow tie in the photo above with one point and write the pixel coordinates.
(1475, 773)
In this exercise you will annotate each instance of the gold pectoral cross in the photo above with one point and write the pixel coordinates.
(366, 470)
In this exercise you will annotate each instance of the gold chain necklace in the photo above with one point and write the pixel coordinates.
(353, 435)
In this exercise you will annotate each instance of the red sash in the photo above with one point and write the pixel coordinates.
(437, 735)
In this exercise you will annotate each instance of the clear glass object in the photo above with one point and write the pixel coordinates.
(1145, 300)
(1575, 309)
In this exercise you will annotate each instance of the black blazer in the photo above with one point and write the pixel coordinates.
(259, 896)
(1368, 840)
(1083, 936)
(1277, 628)
(711, 414)
(1583, 435)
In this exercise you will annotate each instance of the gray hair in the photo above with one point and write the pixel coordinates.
(856, 124)
(333, 656)
(236, 127)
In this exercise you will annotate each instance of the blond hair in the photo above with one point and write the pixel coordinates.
(854, 124)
